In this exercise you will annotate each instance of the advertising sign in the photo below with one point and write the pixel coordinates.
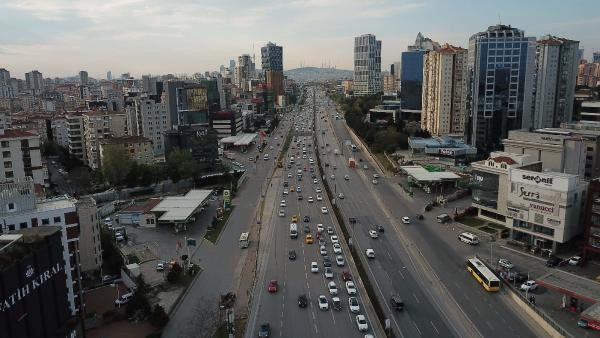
(533, 204)
(226, 199)
(539, 179)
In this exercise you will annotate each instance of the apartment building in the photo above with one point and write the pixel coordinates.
(137, 148)
(75, 134)
(21, 157)
(444, 90)
(151, 120)
(226, 123)
(99, 125)
(89, 236)
(367, 65)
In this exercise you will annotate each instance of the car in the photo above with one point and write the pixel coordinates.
(310, 199)
(553, 261)
(347, 178)
(318, 190)
(294, 219)
(396, 303)
(285, 191)
(123, 299)
(332, 177)
(373, 234)
(350, 288)
(336, 303)
(309, 239)
(380, 228)
(289, 175)
(575, 260)
(337, 248)
(320, 227)
(282, 204)
(264, 331)
(361, 322)
(108, 278)
(353, 304)
(315, 181)
(313, 174)
(328, 273)
(370, 253)
(505, 263)
(529, 285)
(365, 167)
(323, 303)
(314, 267)
(332, 288)
(281, 213)
(306, 229)
(160, 266)
(326, 261)
(517, 277)
(298, 189)
(334, 239)
(339, 260)
(299, 197)
(306, 218)
(292, 255)
(405, 220)
(302, 301)
(324, 210)
(374, 181)
(341, 196)
(330, 230)
(375, 176)
(322, 241)
(323, 250)
(273, 286)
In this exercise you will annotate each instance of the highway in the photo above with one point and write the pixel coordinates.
(404, 251)
(294, 277)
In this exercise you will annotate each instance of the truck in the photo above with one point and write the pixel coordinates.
(351, 162)
(293, 230)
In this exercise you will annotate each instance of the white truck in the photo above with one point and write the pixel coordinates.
(293, 230)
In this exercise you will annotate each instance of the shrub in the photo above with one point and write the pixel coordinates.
(174, 274)
(159, 317)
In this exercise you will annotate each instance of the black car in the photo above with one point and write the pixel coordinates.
(306, 218)
(299, 197)
(302, 302)
(326, 262)
(264, 331)
(285, 184)
(397, 303)
(380, 228)
(292, 255)
(306, 229)
(337, 304)
(553, 261)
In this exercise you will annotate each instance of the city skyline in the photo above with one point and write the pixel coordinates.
(140, 37)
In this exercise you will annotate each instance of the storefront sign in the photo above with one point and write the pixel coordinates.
(33, 282)
(538, 179)
(540, 208)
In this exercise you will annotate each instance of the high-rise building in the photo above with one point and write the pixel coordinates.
(444, 90)
(231, 65)
(596, 57)
(150, 120)
(272, 65)
(21, 157)
(367, 65)
(555, 78)
(411, 72)
(244, 72)
(83, 78)
(501, 63)
(109, 75)
(34, 81)
(580, 53)
(4, 76)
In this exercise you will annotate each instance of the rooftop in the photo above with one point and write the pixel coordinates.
(19, 243)
(125, 139)
(423, 175)
(15, 133)
(142, 207)
(240, 139)
(572, 285)
(181, 208)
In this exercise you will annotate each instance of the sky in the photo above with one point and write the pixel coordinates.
(62, 37)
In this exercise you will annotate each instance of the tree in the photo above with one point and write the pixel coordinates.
(386, 140)
(158, 317)
(116, 165)
(181, 165)
(175, 273)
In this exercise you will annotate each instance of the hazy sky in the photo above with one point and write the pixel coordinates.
(61, 37)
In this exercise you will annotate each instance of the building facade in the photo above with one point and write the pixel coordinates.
(272, 65)
(151, 121)
(137, 148)
(444, 90)
(500, 73)
(411, 72)
(75, 134)
(89, 236)
(226, 123)
(367, 65)
(244, 72)
(21, 157)
(588, 74)
(591, 221)
(555, 79)
(34, 81)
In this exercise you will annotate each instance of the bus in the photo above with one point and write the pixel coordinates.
(483, 274)
(244, 240)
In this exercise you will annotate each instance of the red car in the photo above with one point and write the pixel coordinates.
(273, 286)
(346, 276)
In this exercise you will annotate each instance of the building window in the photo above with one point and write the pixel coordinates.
(7, 164)
(57, 219)
(6, 154)
(4, 144)
(9, 174)
(10, 206)
(45, 221)
(11, 227)
(24, 143)
(23, 225)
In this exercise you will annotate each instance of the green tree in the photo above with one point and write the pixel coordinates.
(158, 317)
(386, 140)
(175, 273)
(181, 165)
(116, 165)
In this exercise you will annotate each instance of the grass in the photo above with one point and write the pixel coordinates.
(473, 221)
(384, 161)
(212, 234)
(488, 229)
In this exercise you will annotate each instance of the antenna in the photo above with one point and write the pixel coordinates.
(499, 20)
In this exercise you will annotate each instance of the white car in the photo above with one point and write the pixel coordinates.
(332, 177)
(324, 210)
(405, 220)
(341, 196)
(350, 287)
(298, 189)
(282, 204)
(310, 199)
(361, 322)
(318, 190)
(370, 253)
(328, 273)
(375, 176)
(505, 263)
(319, 198)
(285, 191)
(353, 305)
(374, 181)
(323, 250)
(330, 230)
(281, 213)
(314, 267)
(347, 178)
(323, 303)
(315, 181)
(529, 285)
(289, 175)
(337, 248)
(332, 288)
(373, 234)
(334, 239)
(575, 260)
(339, 260)
(320, 227)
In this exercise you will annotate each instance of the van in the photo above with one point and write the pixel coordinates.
(468, 238)
(443, 218)
(293, 230)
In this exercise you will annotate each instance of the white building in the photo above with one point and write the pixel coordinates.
(89, 236)
(151, 120)
(21, 157)
(367, 65)
(99, 125)
(544, 208)
(75, 134)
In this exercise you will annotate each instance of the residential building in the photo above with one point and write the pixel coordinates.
(200, 141)
(137, 148)
(21, 157)
(226, 123)
(34, 284)
(89, 236)
(591, 221)
(139, 214)
(19, 209)
(109, 75)
(557, 150)
(588, 74)
(444, 90)
(367, 65)
(151, 121)
(244, 72)
(83, 78)
(411, 72)
(596, 57)
(4, 76)
(272, 65)
(348, 86)
(544, 208)
(96, 126)
(75, 133)
(500, 68)
(590, 111)
(389, 84)
(555, 78)
(34, 81)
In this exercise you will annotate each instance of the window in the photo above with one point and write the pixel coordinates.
(45, 221)
(9, 174)
(11, 227)
(24, 143)
(57, 219)
(7, 164)
(6, 154)
(23, 225)
(4, 144)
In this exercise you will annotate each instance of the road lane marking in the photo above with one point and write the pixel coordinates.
(401, 274)
(416, 327)
(417, 299)
(435, 328)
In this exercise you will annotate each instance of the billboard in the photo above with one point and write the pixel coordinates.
(532, 204)
(196, 98)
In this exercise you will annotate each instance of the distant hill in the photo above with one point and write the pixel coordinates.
(318, 74)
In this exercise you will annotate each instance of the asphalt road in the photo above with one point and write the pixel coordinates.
(393, 269)
(294, 277)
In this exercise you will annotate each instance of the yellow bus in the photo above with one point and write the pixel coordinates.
(483, 274)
